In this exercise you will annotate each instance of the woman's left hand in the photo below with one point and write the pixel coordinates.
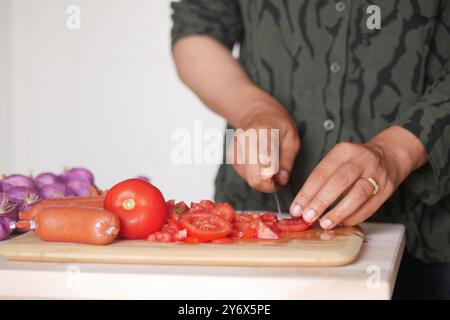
(352, 173)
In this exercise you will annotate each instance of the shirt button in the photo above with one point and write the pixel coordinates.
(328, 125)
(335, 67)
(340, 6)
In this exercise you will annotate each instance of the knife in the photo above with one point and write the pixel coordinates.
(277, 200)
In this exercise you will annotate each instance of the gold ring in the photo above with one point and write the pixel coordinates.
(375, 185)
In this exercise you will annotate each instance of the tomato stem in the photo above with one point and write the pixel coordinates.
(129, 204)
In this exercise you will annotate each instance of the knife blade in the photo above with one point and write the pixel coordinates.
(277, 200)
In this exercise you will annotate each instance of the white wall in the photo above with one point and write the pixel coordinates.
(106, 97)
(6, 150)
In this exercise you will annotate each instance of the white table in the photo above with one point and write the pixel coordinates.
(371, 276)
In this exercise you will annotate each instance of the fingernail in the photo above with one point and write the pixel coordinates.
(296, 210)
(309, 215)
(283, 177)
(325, 223)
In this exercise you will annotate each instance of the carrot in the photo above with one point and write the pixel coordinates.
(76, 224)
(94, 202)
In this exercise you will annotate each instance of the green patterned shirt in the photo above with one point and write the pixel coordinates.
(343, 81)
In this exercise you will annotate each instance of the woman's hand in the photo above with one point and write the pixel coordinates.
(339, 178)
(210, 70)
(272, 163)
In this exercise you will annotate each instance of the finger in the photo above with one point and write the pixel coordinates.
(366, 210)
(289, 148)
(269, 152)
(360, 193)
(362, 214)
(249, 173)
(256, 181)
(266, 163)
(345, 176)
(247, 165)
(315, 181)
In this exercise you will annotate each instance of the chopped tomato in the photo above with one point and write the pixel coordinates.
(272, 225)
(292, 225)
(160, 237)
(264, 232)
(170, 228)
(170, 204)
(205, 226)
(195, 207)
(176, 208)
(180, 235)
(242, 230)
(206, 221)
(181, 208)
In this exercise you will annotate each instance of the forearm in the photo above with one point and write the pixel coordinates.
(208, 69)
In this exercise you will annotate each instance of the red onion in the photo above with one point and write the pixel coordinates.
(145, 178)
(46, 178)
(78, 174)
(7, 207)
(8, 215)
(80, 188)
(18, 180)
(23, 197)
(6, 227)
(56, 190)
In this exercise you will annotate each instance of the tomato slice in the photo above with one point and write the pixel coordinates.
(223, 210)
(269, 217)
(246, 217)
(292, 225)
(207, 204)
(205, 226)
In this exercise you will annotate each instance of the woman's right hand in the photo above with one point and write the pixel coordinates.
(210, 70)
(270, 165)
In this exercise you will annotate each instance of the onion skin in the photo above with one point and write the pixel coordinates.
(8, 215)
(23, 197)
(46, 178)
(57, 190)
(18, 180)
(144, 178)
(80, 188)
(78, 174)
(5, 227)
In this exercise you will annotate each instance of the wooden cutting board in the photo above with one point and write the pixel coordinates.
(313, 248)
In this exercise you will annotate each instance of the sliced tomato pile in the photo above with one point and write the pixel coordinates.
(218, 223)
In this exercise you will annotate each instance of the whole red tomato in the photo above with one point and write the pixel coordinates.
(141, 208)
